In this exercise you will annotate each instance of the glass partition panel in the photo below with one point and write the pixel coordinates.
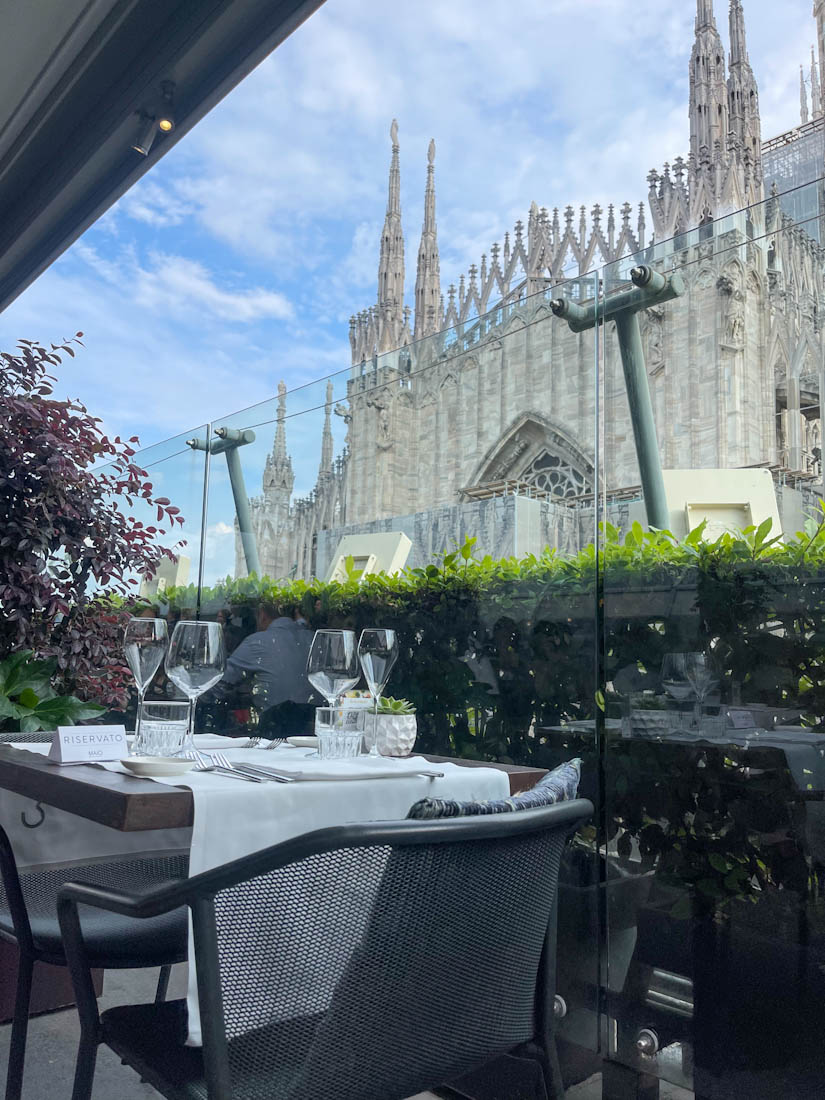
(175, 470)
(445, 489)
(712, 574)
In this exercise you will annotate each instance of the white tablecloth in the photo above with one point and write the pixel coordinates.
(233, 818)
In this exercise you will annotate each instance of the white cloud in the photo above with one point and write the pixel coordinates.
(155, 205)
(175, 283)
(238, 261)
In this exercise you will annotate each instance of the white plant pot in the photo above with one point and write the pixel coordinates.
(395, 734)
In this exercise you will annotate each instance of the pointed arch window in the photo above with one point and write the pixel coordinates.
(553, 474)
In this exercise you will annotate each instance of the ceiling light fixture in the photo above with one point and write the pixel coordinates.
(166, 119)
(148, 129)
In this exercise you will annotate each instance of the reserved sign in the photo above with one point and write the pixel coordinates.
(88, 744)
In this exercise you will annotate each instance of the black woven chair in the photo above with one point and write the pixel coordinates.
(28, 917)
(365, 962)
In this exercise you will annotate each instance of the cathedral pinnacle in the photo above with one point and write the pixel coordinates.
(326, 437)
(279, 449)
(803, 97)
(743, 94)
(738, 48)
(391, 263)
(428, 279)
(816, 93)
(709, 110)
(278, 474)
(704, 14)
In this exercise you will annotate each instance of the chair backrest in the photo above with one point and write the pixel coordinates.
(40, 737)
(406, 958)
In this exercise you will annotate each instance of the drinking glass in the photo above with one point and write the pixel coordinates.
(701, 678)
(144, 645)
(332, 665)
(339, 733)
(163, 729)
(195, 662)
(378, 652)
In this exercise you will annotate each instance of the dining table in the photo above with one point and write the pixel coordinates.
(86, 812)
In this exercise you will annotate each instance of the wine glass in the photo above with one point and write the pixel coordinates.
(675, 679)
(701, 678)
(195, 662)
(332, 664)
(378, 652)
(144, 645)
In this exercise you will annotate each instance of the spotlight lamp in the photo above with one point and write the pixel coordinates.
(166, 119)
(148, 129)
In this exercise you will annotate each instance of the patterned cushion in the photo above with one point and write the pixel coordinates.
(559, 785)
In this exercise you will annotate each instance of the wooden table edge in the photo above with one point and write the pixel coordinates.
(130, 804)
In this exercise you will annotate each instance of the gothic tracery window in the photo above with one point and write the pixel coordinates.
(552, 474)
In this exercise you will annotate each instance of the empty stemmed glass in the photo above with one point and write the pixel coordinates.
(144, 645)
(675, 678)
(378, 652)
(701, 678)
(195, 662)
(332, 665)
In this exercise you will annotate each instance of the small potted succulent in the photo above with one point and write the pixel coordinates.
(396, 726)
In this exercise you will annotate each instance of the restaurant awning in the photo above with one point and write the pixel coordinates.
(79, 78)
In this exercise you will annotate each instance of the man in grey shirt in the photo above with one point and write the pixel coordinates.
(275, 659)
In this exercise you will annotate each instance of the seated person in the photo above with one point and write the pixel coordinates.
(274, 658)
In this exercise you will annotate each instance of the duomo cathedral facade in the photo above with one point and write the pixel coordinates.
(474, 413)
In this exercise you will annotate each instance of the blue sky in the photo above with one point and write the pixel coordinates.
(239, 259)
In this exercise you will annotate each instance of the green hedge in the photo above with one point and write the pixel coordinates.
(697, 814)
(754, 603)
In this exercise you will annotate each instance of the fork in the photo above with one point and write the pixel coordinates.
(249, 769)
(204, 763)
(276, 743)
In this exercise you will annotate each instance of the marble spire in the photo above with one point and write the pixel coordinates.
(816, 93)
(709, 110)
(803, 97)
(704, 14)
(279, 448)
(428, 277)
(743, 93)
(738, 45)
(278, 472)
(326, 437)
(391, 263)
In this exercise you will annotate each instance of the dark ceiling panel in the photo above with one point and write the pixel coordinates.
(75, 158)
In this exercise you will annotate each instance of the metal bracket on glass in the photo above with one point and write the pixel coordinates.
(227, 442)
(650, 288)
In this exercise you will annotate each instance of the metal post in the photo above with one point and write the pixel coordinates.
(227, 442)
(649, 288)
(250, 549)
(641, 417)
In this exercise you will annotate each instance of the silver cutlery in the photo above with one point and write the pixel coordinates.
(249, 769)
(276, 743)
(263, 772)
(205, 763)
